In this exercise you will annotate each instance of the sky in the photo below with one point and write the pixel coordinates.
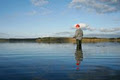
(56, 18)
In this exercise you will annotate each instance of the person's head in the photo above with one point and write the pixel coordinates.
(77, 26)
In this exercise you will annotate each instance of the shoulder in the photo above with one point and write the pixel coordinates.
(80, 29)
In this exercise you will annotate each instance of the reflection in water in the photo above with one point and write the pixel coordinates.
(78, 57)
(35, 61)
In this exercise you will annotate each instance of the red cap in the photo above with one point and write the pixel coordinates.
(77, 26)
(77, 63)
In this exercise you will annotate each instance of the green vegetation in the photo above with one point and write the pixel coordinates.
(72, 40)
(61, 40)
(4, 40)
(55, 40)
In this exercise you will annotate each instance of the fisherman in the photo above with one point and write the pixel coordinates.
(78, 36)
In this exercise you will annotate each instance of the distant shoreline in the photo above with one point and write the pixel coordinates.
(60, 40)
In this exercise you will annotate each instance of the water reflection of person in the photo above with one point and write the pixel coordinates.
(78, 57)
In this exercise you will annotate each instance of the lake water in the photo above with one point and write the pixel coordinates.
(42, 61)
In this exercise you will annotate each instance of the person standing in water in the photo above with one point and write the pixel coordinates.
(78, 36)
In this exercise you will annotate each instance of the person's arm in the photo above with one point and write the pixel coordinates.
(82, 33)
(76, 33)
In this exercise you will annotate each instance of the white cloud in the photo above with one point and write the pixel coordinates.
(99, 6)
(39, 2)
(85, 26)
(44, 11)
(103, 35)
(31, 13)
(40, 9)
(109, 29)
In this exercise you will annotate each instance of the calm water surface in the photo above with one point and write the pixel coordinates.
(40, 61)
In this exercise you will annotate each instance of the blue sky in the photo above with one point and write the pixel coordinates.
(40, 18)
